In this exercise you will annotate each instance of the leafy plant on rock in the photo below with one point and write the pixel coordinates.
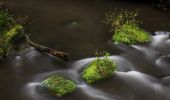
(125, 26)
(99, 69)
(11, 30)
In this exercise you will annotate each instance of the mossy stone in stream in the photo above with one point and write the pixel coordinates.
(99, 69)
(10, 31)
(8, 38)
(126, 27)
(58, 85)
(130, 34)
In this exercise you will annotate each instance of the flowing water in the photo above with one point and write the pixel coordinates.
(76, 26)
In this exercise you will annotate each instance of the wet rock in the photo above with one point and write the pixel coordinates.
(58, 85)
(163, 63)
(166, 80)
(165, 59)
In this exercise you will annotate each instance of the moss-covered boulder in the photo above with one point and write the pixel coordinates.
(131, 34)
(10, 31)
(99, 69)
(8, 38)
(58, 85)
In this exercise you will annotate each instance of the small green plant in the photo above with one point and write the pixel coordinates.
(125, 26)
(116, 19)
(58, 85)
(99, 69)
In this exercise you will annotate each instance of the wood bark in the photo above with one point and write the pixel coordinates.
(45, 49)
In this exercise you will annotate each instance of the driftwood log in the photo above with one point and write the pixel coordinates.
(45, 49)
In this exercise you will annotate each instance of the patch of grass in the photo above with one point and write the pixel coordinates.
(125, 26)
(59, 85)
(99, 69)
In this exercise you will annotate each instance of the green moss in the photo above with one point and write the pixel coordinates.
(8, 38)
(99, 69)
(59, 85)
(131, 34)
(17, 32)
(10, 31)
(5, 21)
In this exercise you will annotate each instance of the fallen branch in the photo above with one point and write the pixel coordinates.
(45, 49)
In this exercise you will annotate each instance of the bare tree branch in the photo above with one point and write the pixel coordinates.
(45, 49)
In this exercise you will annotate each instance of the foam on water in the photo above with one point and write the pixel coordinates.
(162, 33)
(123, 64)
(163, 65)
(149, 52)
(145, 84)
(78, 65)
(72, 74)
(159, 40)
(31, 91)
(95, 93)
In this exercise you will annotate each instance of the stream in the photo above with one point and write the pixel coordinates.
(75, 26)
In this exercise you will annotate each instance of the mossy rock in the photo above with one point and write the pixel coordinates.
(99, 69)
(59, 86)
(131, 34)
(8, 39)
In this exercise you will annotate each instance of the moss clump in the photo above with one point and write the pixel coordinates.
(8, 38)
(99, 69)
(59, 85)
(126, 28)
(10, 31)
(131, 34)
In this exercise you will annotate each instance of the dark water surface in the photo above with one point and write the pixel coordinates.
(75, 26)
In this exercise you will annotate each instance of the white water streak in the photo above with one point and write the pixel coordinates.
(144, 83)
(92, 92)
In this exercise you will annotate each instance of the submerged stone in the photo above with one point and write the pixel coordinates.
(99, 69)
(165, 59)
(59, 86)
(8, 38)
(131, 34)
